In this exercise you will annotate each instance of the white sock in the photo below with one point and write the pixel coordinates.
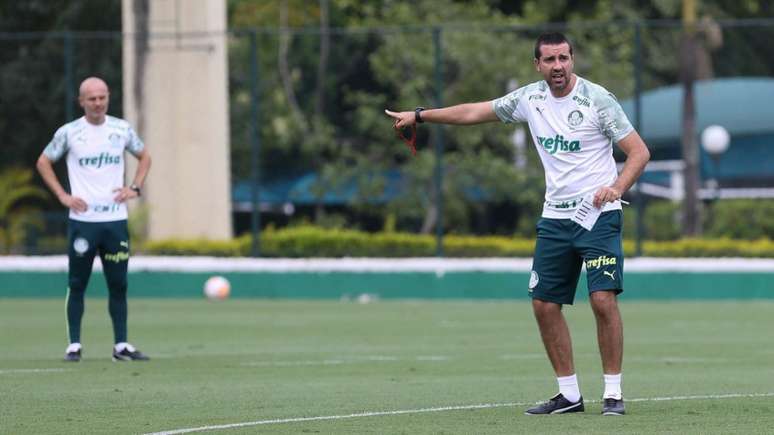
(568, 386)
(119, 347)
(73, 347)
(612, 387)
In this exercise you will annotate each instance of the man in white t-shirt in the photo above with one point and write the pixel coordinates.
(574, 124)
(94, 145)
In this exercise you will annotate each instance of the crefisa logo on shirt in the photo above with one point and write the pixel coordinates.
(559, 144)
(103, 159)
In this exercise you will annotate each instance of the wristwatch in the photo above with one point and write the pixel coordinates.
(417, 116)
(136, 188)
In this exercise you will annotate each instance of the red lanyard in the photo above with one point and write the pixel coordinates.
(410, 140)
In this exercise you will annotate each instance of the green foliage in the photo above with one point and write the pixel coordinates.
(748, 219)
(489, 246)
(19, 230)
(32, 69)
(217, 248)
(333, 123)
(661, 221)
(139, 214)
(477, 66)
(310, 241)
(49, 245)
(706, 248)
(741, 219)
(352, 138)
(300, 241)
(18, 216)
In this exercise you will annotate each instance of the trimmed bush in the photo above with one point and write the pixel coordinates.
(710, 248)
(217, 248)
(748, 219)
(309, 241)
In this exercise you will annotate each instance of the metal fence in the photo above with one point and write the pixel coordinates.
(309, 140)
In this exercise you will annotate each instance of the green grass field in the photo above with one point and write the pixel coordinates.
(387, 367)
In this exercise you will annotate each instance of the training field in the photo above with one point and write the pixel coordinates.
(386, 367)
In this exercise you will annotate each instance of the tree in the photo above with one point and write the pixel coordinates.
(32, 68)
(17, 190)
(372, 70)
(381, 55)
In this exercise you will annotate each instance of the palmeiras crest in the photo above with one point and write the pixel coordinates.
(575, 118)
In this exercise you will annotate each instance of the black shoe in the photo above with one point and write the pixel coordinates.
(557, 405)
(612, 406)
(129, 355)
(74, 356)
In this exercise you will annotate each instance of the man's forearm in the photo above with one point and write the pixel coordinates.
(46, 171)
(143, 167)
(461, 114)
(632, 169)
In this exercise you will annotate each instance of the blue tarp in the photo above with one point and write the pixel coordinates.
(300, 190)
(740, 105)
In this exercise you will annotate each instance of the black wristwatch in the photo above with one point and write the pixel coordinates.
(136, 188)
(417, 116)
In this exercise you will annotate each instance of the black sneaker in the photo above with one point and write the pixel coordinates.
(129, 354)
(611, 406)
(73, 356)
(557, 405)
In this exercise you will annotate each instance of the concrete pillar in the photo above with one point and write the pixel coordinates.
(176, 96)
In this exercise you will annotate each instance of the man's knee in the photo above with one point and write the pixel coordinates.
(117, 287)
(116, 279)
(545, 308)
(603, 296)
(77, 285)
(604, 303)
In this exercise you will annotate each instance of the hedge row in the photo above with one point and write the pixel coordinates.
(310, 241)
(705, 248)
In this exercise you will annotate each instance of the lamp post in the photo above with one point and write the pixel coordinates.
(715, 140)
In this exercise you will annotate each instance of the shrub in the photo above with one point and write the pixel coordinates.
(310, 241)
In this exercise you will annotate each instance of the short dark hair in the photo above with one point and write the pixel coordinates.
(551, 38)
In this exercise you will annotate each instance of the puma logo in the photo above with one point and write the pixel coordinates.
(124, 244)
(610, 274)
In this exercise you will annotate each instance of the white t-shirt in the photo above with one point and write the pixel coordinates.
(95, 164)
(574, 137)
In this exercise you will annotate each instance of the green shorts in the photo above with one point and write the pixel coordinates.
(561, 249)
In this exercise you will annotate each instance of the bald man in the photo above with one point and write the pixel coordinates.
(95, 145)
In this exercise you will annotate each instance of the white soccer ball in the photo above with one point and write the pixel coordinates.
(217, 288)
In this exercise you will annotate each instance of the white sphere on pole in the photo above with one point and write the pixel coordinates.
(715, 140)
